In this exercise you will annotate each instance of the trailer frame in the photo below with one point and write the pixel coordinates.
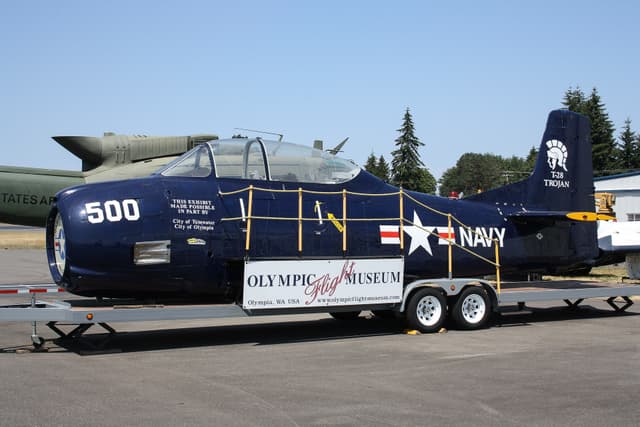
(82, 314)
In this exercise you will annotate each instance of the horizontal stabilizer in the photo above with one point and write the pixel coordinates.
(546, 216)
(621, 237)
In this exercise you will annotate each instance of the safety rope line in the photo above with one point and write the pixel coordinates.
(465, 226)
(283, 218)
(354, 193)
(453, 243)
(328, 193)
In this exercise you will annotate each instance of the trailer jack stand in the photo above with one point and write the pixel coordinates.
(36, 340)
(77, 333)
(573, 304)
(612, 302)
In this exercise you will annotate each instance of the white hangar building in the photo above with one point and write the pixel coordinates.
(626, 188)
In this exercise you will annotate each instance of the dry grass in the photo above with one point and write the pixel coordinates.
(22, 239)
(616, 273)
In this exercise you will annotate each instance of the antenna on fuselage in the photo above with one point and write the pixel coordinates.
(280, 136)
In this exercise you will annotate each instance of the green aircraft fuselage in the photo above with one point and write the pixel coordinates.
(26, 194)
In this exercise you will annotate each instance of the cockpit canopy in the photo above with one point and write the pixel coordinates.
(258, 159)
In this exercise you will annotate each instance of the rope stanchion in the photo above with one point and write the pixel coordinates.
(401, 220)
(450, 254)
(249, 214)
(497, 266)
(345, 220)
(300, 220)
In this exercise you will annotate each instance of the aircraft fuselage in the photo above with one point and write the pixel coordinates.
(184, 230)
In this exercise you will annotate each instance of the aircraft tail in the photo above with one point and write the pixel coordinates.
(562, 180)
(554, 208)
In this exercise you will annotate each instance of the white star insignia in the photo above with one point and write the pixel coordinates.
(419, 235)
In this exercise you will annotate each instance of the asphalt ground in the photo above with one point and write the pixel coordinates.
(546, 366)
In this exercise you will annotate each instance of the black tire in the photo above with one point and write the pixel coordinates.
(345, 315)
(472, 308)
(427, 310)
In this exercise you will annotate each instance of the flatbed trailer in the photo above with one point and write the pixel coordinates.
(425, 304)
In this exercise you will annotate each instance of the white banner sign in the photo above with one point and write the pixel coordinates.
(322, 283)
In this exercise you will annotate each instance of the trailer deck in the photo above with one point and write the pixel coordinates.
(82, 314)
(573, 292)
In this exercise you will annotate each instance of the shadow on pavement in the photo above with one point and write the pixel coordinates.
(274, 333)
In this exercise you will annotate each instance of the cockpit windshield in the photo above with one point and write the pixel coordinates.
(257, 159)
(194, 163)
(284, 161)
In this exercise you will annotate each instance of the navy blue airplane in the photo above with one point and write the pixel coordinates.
(183, 230)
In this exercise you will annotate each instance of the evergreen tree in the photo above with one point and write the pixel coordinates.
(531, 159)
(574, 100)
(628, 148)
(378, 167)
(604, 151)
(383, 169)
(605, 154)
(637, 144)
(371, 165)
(406, 163)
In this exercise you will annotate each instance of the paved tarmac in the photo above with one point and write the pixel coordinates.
(547, 367)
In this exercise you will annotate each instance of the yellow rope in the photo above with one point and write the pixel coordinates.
(312, 219)
(452, 217)
(457, 245)
(327, 193)
(353, 193)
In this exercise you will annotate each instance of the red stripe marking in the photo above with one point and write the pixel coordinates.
(8, 291)
(37, 291)
(446, 235)
(389, 234)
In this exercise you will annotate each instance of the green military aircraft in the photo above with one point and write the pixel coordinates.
(26, 193)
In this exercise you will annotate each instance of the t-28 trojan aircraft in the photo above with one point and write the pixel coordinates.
(198, 226)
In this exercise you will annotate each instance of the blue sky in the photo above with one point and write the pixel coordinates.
(477, 76)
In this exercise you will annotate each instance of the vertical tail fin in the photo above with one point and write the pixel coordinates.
(562, 179)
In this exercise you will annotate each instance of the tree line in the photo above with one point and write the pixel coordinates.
(609, 156)
(476, 172)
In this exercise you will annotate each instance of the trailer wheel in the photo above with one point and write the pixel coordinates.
(345, 315)
(427, 310)
(37, 341)
(472, 308)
